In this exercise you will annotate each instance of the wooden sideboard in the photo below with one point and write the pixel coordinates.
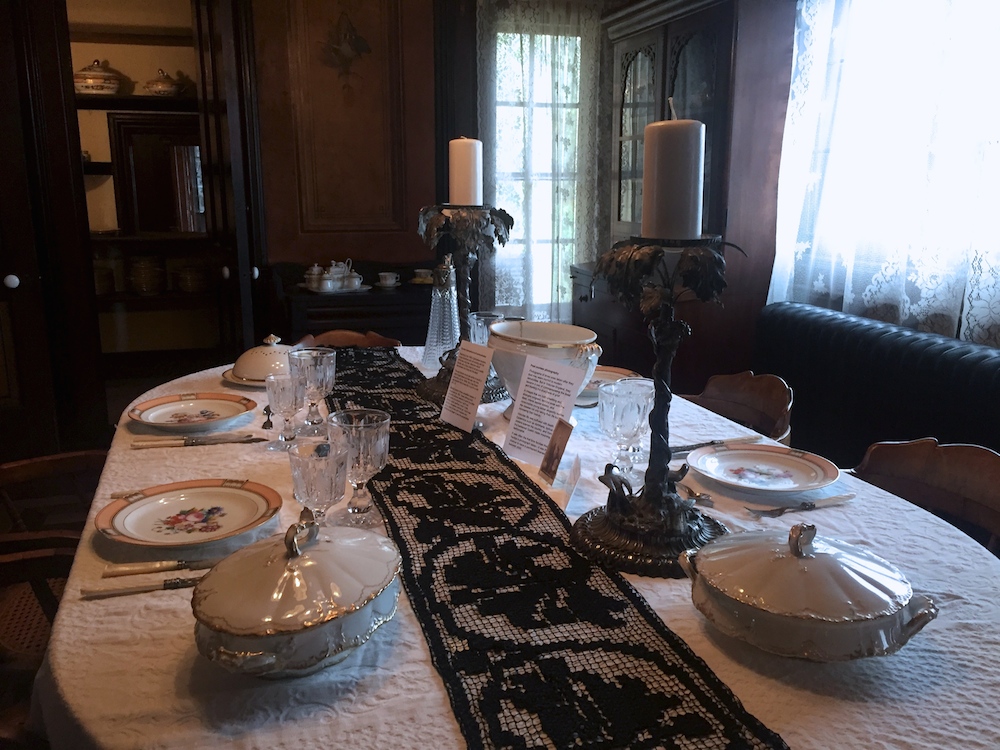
(620, 332)
(401, 313)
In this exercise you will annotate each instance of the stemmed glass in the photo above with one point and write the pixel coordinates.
(316, 368)
(365, 432)
(318, 475)
(621, 406)
(284, 396)
(645, 390)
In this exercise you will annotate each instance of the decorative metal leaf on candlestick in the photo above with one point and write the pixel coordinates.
(474, 230)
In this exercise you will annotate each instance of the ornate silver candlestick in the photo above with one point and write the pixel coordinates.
(473, 229)
(645, 532)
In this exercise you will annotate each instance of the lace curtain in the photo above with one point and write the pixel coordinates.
(539, 114)
(890, 166)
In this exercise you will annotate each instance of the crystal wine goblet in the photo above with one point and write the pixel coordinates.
(645, 391)
(319, 475)
(620, 410)
(316, 367)
(365, 432)
(284, 396)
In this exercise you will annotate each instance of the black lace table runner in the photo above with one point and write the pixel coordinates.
(536, 646)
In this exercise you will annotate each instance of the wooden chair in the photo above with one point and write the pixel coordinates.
(957, 482)
(44, 504)
(761, 402)
(341, 337)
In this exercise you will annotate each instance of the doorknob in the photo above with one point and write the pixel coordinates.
(225, 272)
(11, 281)
(255, 274)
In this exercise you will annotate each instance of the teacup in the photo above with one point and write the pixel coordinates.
(422, 273)
(388, 278)
(352, 281)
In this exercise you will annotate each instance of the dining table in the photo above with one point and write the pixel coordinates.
(125, 672)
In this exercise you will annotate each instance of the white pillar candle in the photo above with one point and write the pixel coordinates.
(465, 172)
(673, 177)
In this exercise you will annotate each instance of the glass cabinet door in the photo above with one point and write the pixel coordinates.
(638, 102)
(699, 50)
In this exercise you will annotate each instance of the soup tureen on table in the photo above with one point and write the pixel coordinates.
(805, 596)
(290, 606)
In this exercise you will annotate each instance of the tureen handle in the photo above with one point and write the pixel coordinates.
(800, 539)
(292, 544)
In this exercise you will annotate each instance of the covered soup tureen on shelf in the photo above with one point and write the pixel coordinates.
(96, 79)
(803, 595)
(290, 606)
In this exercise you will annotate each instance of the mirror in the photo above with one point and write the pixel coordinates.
(156, 162)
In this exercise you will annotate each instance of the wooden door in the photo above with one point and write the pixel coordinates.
(51, 392)
(346, 97)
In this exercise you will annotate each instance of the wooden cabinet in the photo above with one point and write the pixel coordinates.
(166, 269)
(660, 57)
(620, 332)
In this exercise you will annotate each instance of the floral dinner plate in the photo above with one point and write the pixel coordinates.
(763, 468)
(191, 412)
(182, 514)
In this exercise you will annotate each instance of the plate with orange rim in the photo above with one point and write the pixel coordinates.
(603, 374)
(192, 412)
(182, 514)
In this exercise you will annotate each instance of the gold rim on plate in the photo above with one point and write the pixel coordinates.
(184, 514)
(188, 412)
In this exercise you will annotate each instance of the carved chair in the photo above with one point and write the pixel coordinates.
(341, 337)
(44, 504)
(761, 402)
(957, 482)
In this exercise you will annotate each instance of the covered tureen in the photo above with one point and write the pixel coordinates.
(803, 595)
(290, 606)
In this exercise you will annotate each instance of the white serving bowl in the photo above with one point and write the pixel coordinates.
(290, 606)
(806, 596)
(254, 365)
(513, 340)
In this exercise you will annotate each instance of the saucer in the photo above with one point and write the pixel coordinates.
(380, 285)
(418, 280)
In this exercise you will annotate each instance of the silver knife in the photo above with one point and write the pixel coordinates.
(170, 583)
(188, 440)
(728, 441)
(131, 569)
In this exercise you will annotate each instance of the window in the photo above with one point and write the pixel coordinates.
(539, 89)
(890, 167)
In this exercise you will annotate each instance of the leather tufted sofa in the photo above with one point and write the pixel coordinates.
(858, 381)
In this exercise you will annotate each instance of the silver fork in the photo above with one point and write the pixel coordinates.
(807, 505)
(699, 497)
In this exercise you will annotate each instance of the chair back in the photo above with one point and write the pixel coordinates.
(342, 337)
(958, 482)
(761, 402)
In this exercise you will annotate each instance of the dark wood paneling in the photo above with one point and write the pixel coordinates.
(347, 127)
(723, 337)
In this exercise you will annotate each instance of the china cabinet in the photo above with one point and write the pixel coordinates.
(661, 57)
(726, 63)
(162, 250)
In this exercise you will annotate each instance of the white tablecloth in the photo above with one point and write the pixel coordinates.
(125, 673)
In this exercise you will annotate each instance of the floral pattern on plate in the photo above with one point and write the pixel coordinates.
(192, 521)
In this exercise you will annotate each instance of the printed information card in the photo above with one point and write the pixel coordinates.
(545, 397)
(465, 390)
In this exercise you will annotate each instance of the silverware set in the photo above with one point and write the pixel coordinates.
(180, 441)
